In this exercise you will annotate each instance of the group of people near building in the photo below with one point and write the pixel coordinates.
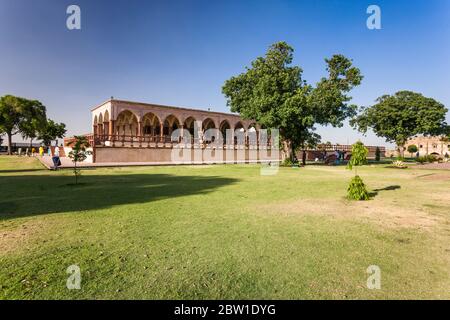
(337, 157)
(43, 151)
(27, 151)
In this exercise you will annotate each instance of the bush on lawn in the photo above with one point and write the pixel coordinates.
(288, 163)
(421, 159)
(377, 154)
(357, 189)
(432, 158)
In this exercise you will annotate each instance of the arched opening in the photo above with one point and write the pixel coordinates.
(95, 125)
(190, 125)
(150, 125)
(208, 123)
(239, 133)
(100, 125)
(224, 126)
(126, 124)
(435, 154)
(209, 135)
(106, 123)
(171, 123)
(252, 134)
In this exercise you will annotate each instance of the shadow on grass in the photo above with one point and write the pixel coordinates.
(27, 195)
(388, 188)
(20, 170)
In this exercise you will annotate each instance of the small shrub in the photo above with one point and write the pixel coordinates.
(377, 154)
(357, 189)
(421, 159)
(431, 158)
(359, 155)
(287, 162)
(79, 153)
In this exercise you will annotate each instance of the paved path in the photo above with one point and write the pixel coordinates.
(67, 163)
(445, 165)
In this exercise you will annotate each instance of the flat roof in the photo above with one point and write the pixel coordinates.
(165, 106)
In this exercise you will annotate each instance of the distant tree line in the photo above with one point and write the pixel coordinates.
(28, 118)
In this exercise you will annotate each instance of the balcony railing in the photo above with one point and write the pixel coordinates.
(166, 140)
(155, 140)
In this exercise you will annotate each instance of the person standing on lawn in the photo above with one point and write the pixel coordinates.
(55, 159)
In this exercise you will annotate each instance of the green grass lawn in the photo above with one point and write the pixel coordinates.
(222, 232)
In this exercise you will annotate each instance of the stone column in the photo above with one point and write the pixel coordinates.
(139, 128)
(139, 132)
(199, 131)
(111, 131)
(182, 133)
(111, 127)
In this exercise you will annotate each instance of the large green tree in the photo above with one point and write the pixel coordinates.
(17, 114)
(273, 93)
(35, 121)
(51, 131)
(401, 116)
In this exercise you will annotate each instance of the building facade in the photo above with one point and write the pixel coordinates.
(126, 131)
(430, 145)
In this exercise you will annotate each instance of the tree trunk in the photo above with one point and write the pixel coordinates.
(292, 151)
(76, 173)
(31, 143)
(304, 157)
(9, 142)
(287, 149)
(401, 151)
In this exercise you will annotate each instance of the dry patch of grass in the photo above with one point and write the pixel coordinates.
(16, 238)
(442, 197)
(374, 211)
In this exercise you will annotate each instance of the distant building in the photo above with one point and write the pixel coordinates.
(430, 145)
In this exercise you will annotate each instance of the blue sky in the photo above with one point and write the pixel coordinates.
(181, 52)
